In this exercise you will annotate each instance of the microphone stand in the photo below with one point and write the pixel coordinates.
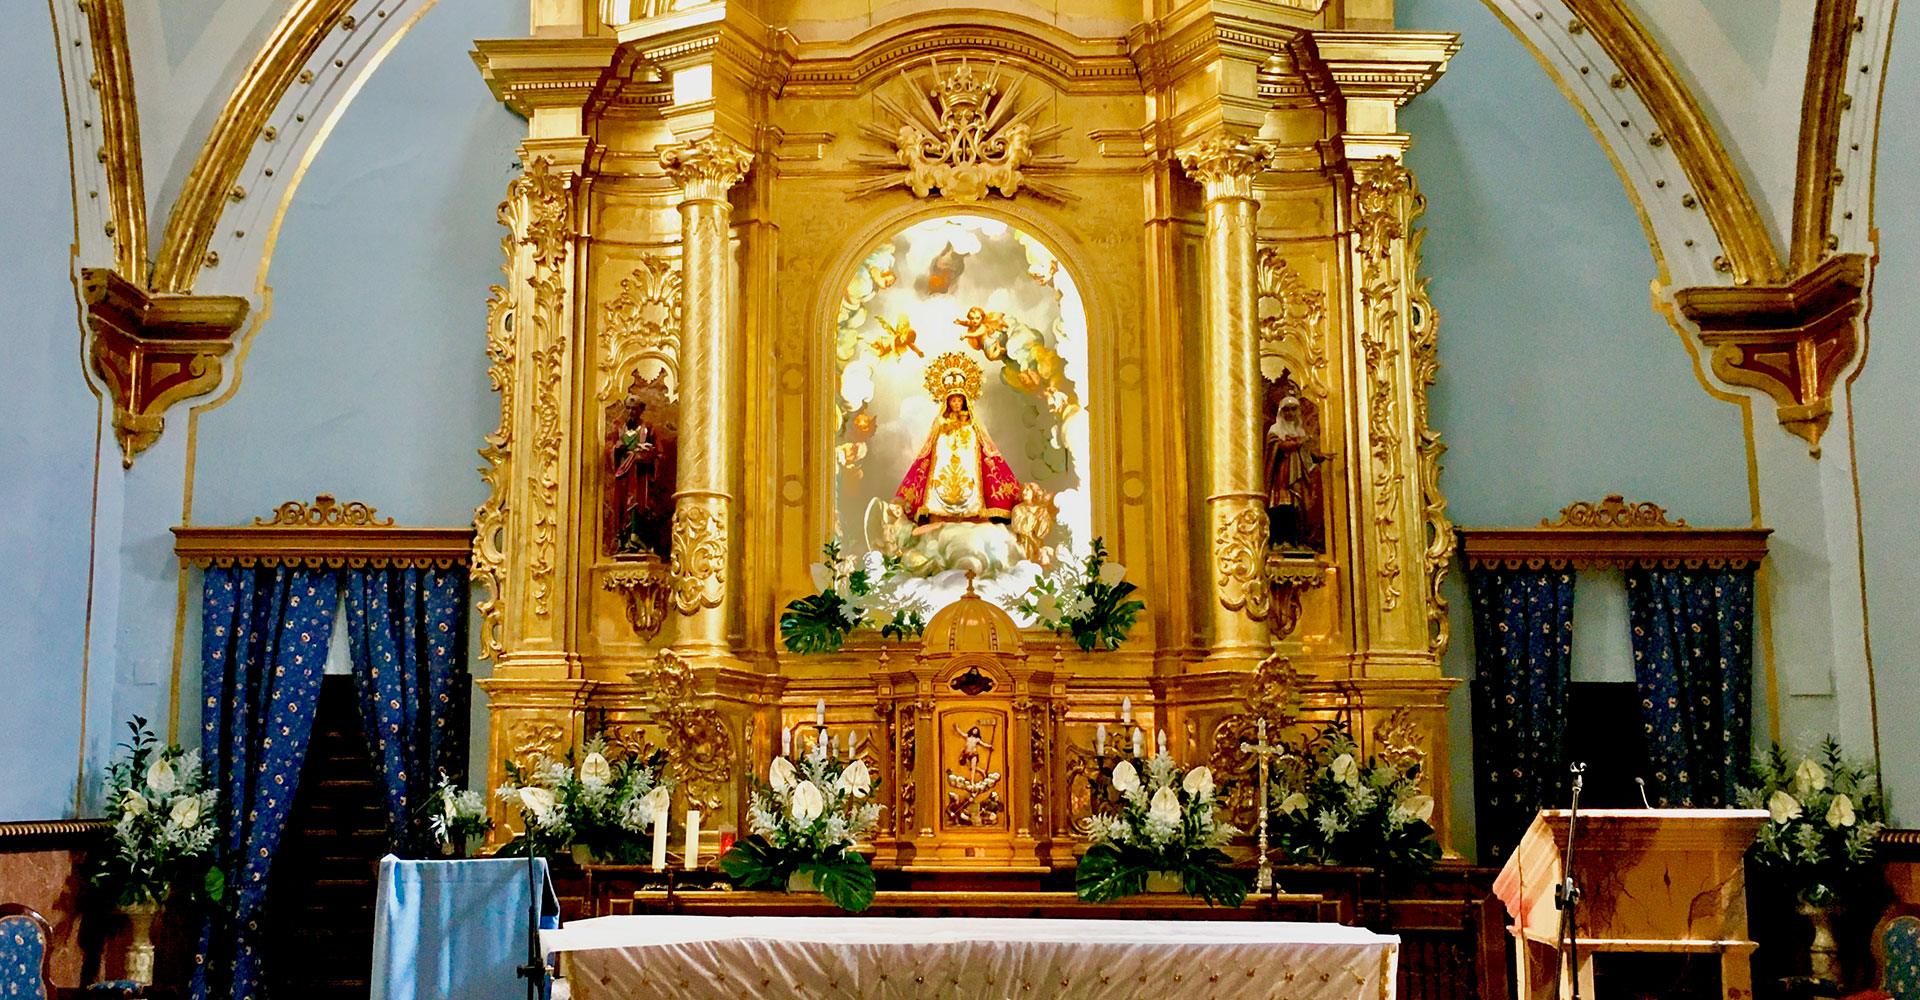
(535, 969)
(1566, 895)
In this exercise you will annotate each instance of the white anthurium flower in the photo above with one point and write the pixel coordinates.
(160, 777)
(1111, 573)
(808, 803)
(186, 812)
(855, 779)
(1421, 808)
(1165, 806)
(1125, 778)
(822, 576)
(1198, 782)
(595, 770)
(539, 802)
(1345, 769)
(1293, 803)
(659, 799)
(134, 804)
(780, 775)
(1784, 807)
(1840, 813)
(1048, 605)
(1808, 778)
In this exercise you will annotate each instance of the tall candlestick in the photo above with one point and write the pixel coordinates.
(820, 712)
(1100, 739)
(1136, 741)
(786, 741)
(1126, 711)
(693, 840)
(660, 840)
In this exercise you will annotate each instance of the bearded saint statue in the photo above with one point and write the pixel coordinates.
(958, 474)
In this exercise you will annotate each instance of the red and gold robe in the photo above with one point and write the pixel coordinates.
(958, 476)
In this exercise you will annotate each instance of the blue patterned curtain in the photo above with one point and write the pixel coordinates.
(1523, 645)
(404, 629)
(263, 646)
(1693, 661)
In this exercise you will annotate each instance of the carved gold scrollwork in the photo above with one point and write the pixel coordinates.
(1290, 324)
(1291, 577)
(643, 584)
(643, 319)
(1612, 512)
(530, 738)
(1423, 334)
(1378, 193)
(1396, 740)
(1225, 164)
(549, 201)
(699, 570)
(490, 518)
(962, 135)
(325, 512)
(699, 744)
(706, 167)
(1240, 552)
(1273, 694)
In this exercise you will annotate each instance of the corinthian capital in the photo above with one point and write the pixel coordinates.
(1225, 164)
(706, 167)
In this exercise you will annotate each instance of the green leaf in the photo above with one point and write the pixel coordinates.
(216, 884)
(848, 883)
(752, 863)
(1206, 876)
(1104, 875)
(813, 624)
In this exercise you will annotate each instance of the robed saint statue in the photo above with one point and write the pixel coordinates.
(958, 474)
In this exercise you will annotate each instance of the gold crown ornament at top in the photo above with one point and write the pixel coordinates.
(953, 372)
(962, 94)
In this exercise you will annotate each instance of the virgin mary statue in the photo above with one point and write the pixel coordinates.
(958, 474)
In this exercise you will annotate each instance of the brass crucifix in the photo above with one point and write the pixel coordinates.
(1263, 871)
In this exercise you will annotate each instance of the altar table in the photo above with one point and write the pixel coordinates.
(968, 958)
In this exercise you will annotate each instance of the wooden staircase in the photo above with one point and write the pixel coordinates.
(321, 911)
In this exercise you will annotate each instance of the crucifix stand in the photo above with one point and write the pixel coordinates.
(1262, 750)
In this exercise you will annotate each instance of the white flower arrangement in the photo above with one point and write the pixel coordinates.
(605, 804)
(1165, 819)
(163, 824)
(1086, 598)
(806, 819)
(848, 595)
(455, 816)
(1823, 815)
(1328, 807)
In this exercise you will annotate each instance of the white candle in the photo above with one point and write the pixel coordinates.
(1100, 739)
(786, 741)
(820, 712)
(1163, 743)
(835, 744)
(1126, 711)
(693, 839)
(1136, 741)
(660, 841)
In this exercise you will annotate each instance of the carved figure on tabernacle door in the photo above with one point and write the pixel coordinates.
(970, 751)
(958, 475)
(1293, 464)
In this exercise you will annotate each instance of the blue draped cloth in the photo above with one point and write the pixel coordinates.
(405, 628)
(1523, 651)
(455, 930)
(264, 639)
(1693, 663)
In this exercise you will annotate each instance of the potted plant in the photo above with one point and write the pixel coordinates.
(162, 845)
(1165, 835)
(456, 817)
(599, 810)
(850, 595)
(805, 819)
(1824, 812)
(1088, 600)
(1330, 807)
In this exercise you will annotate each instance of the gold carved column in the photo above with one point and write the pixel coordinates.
(1226, 166)
(710, 391)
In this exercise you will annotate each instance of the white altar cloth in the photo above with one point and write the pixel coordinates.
(969, 958)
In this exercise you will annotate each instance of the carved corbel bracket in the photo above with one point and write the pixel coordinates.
(644, 584)
(1291, 575)
(153, 351)
(1790, 341)
(699, 744)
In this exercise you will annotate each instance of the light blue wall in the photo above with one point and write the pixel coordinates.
(1886, 416)
(47, 422)
(1557, 382)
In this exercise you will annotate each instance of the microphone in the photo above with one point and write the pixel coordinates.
(1642, 782)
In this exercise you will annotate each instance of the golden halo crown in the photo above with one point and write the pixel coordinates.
(953, 372)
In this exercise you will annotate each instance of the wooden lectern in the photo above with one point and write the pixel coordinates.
(1651, 880)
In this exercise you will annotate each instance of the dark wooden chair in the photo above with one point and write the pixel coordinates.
(26, 953)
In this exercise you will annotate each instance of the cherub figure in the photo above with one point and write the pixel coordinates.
(986, 332)
(899, 339)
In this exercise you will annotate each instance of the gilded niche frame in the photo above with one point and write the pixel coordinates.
(1103, 435)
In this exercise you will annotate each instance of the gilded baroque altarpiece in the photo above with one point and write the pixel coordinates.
(692, 340)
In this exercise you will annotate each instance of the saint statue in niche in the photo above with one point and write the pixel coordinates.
(641, 470)
(1293, 469)
(958, 474)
